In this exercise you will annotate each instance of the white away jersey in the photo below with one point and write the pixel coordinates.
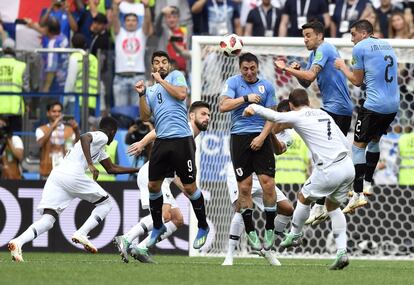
(317, 129)
(76, 156)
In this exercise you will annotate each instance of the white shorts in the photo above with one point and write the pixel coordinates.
(257, 191)
(332, 182)
(142, 182)
(63, 186)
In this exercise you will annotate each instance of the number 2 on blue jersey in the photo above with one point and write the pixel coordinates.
(390, 62)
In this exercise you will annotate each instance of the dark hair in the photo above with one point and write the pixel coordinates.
(131, 14)
(108, 123)
(53, 104)
(363, 25)
(298, 97)
(317, 26)
(198, 104)
(283, 106)
(79, 41)
(175, 10)
(100, 18)
(160, 53)
(248, 57)
(53, 26)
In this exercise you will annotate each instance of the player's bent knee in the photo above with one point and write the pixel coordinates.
(51, 212)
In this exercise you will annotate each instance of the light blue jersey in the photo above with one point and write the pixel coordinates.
(236, 87)
(379, 62)
(331, 81)
(170, 114)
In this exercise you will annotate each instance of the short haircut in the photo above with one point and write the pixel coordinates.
(363, 25)
(160, 53)
(131, 15)
(79, 41)
(317, 26)
(298, 97)
(175, 10)
(108, 123)
(198, 104)
(53, 26)
(283, 106)
(248, 57)
(53, 104)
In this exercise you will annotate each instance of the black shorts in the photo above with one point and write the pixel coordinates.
(246, 161)
(371, 125)
(343, 122)
(173, 155)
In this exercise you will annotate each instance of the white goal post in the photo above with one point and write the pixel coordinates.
(383, 229)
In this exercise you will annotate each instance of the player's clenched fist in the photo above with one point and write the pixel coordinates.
(248, 112)
(254, 98)
(140, 86)
(339, 63)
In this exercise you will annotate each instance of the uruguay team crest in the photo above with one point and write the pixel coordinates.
(261, 89)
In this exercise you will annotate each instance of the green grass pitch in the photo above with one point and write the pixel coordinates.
(83, 268)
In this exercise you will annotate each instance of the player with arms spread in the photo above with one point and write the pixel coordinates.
(69, 181)
(375, 64)
(333, 170)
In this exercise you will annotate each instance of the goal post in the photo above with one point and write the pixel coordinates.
(383, 229)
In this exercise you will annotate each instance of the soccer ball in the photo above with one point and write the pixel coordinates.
(231, 45)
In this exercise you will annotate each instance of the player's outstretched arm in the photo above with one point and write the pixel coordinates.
(137, 147)
(112, 168)
(269, 114)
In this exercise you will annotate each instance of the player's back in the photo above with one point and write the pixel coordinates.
(170, 114)
(379, 62)
(321, 135)
(75, 159)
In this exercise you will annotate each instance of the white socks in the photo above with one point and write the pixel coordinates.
(36, 229)
(98, 214)
(339, 228)
(300, 215)
(236, 230)
(281, 222)
(171, 228)
(145, 225)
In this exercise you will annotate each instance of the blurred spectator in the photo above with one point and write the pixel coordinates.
(346, 13)
(297, 13)
(199, 14)
(135, 133)
(372, 17)
(223, 18)
(11, 152)
(406, 154)
(263, 21)
(102, 47)
(186, 19)
(74, 79)
(55, 63)
(3, 33)
(173, 38)
(86, 13)
(129, 54)
(247, 5)
(14, 77)
(384, 12)
(131, 7)
(399, 28)
(55, 138)
(60, 10)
